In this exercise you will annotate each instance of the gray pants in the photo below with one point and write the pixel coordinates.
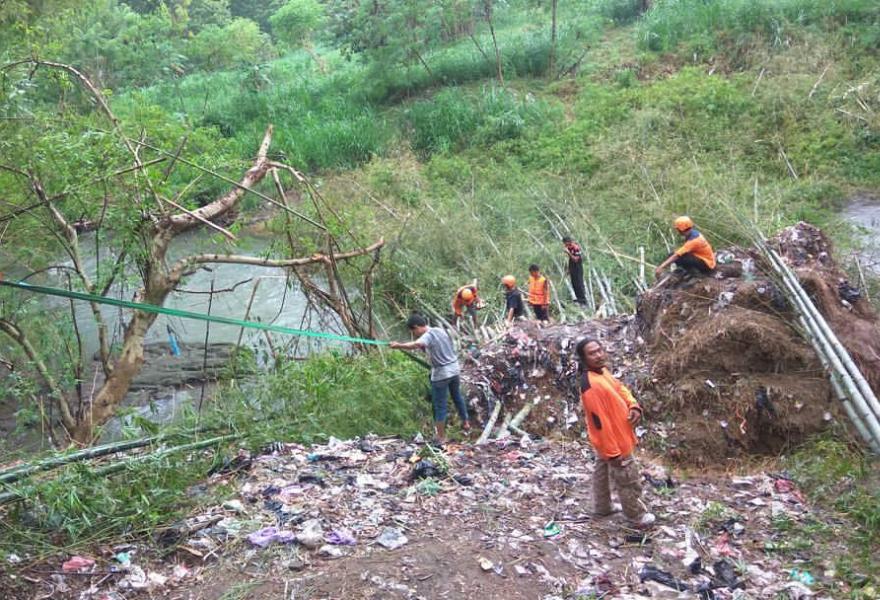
(625, 475)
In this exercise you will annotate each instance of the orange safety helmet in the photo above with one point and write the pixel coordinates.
(509, 281)
(683, 224)
(467, 295)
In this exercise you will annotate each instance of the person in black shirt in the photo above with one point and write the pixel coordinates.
(513, 300)
(575, 269)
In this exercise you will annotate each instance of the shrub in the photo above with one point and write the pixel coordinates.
(239, 43)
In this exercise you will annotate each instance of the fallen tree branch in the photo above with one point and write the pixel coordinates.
(184, 265)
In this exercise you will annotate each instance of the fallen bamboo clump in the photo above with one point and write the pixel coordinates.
(848, 382)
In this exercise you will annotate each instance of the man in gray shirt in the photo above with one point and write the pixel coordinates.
(444, 371)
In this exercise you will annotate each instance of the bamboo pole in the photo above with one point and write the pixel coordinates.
(22, 471)
(487, 430)
(836, 346)
(819, 337)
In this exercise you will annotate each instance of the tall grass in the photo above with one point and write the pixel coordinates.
(672, 21)
(454, 119)
(336, 120)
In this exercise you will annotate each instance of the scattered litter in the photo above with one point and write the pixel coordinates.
(552, 529)
(392, 538)
(803, 576)
(341, 537)
(652, 573)
(311, 534)
(268, 535)
(485, 563)
(77, 563)
(330, 551)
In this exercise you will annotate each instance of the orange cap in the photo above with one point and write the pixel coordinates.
(467, 294)
(683, 223)
(509, 281)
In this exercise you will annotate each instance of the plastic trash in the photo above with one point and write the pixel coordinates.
(77, 563)
(268, 535)
(330, 551)
(552, 529)
(803, 576)
(424, 469)
(652, 573)
(123, 558)
(726, 574)
(311, 535)
(464, 480)
(428, 487)
(341, 537)
(392, 538)
(485, 563)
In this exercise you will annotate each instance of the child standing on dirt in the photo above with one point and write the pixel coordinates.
(611, 413)
(444, 371)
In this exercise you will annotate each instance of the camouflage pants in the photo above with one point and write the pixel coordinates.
(625, 475)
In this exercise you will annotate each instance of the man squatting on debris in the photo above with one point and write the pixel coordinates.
(611, 412)
(695, 255)
(445, 371)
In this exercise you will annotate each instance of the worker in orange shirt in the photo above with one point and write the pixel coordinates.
(466, 300)
(695, 255)
(611, 413)
(539, 294)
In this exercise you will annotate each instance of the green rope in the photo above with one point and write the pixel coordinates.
(185, 314)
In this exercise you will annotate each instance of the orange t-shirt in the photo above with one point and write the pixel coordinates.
(539, 294)
(699, 246)
(607, 403)
(458, 303)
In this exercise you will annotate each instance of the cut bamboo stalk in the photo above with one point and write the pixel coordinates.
(22, 471)
(642, 279)
(487, 430)
(836, 346)
(819, 336)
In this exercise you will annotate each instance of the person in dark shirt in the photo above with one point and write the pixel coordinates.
(514, 308)
(575, 269)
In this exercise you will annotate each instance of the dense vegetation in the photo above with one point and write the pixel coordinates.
(471, 162)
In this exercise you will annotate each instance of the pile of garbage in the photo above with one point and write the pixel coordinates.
(717, 362)
(392, 518)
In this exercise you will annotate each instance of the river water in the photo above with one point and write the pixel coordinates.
(864, 212)
(278, 298)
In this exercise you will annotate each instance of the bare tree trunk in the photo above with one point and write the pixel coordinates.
(498, 64)
(552, 66)
(310, 50)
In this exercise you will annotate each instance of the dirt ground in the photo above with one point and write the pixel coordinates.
(511, 519)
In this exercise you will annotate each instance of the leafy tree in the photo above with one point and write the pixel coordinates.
(388, 32)
(258, 11)
(294, 23)
(238, 43)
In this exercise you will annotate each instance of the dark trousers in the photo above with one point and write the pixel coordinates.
(691, 263)
(439, 391)
(576, 271)
(542, 312)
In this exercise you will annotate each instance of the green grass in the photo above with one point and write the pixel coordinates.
(703, 24)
